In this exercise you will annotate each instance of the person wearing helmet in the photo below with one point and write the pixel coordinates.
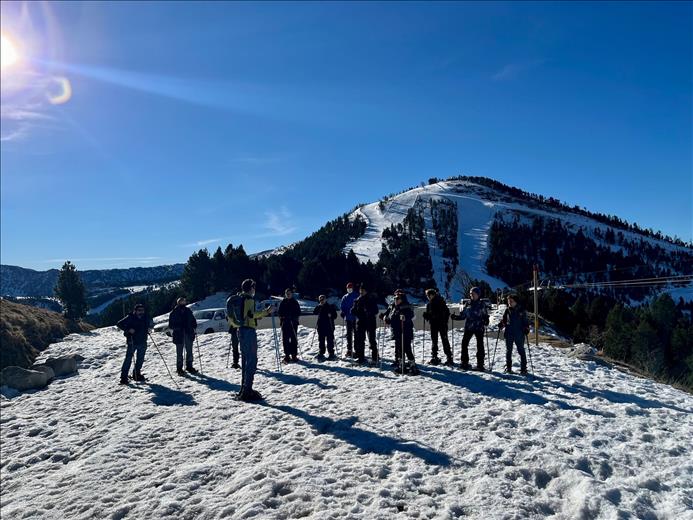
(476, 318)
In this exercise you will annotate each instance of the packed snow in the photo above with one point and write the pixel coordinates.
(333, 440)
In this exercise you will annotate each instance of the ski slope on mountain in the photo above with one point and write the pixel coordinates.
(477, 206)
(334, 440)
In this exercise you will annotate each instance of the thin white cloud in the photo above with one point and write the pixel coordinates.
(279, 223)
(513, 70)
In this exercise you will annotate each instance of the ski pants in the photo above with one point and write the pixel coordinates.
(363, 330)
(442, 330)
(248, 340)
(233, 331)
(350, 327)
(323, 335)
(518, 340)
(466, 338)
(408, 352)
(133, 348)
(290, 338)
(187, 346)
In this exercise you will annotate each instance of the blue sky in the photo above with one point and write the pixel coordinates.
(199, 124)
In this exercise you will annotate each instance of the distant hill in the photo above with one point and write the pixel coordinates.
(26, 331)
(19, 281)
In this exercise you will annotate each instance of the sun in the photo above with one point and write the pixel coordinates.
(8, 53)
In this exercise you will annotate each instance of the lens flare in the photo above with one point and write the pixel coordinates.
(8, 52)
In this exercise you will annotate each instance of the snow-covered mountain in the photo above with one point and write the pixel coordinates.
(19, 281)
(579, 440)
(459, 248)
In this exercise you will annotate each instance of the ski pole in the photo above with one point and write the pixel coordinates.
(164, 360)
(276, 344)
(493, 359)
(199, 354)
(380, 351)
(401, 324)
(423, 343)
(452, 323)
(529, 348)
(488, 351)
(298, 345)
(228, 355)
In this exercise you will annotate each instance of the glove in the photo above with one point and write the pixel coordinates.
(381, 315)
(454, 317)
(487, 320)
(526, 331)
(342, 315)
(387, 320)
(501, 326)
(426, 316)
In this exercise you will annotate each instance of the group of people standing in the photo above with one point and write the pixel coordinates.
(360, 314)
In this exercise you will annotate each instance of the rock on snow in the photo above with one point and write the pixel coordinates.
(335, 441)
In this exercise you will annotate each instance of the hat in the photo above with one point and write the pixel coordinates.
(475, 290)
(247, 285)
(398, 291)
(350, 285)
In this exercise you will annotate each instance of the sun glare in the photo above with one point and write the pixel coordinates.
(8, 53)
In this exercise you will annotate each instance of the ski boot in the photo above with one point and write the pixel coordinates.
(435, 361)
(449, 362)
(180, 371)
(139, 377)
(332, 357)
(192, 370)
(320, 358)
(465, 366)
(124, 381)
(235, 365)
(412, 369)
(286, 360)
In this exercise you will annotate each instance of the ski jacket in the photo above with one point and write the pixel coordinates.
(515, 322)
(365, 310)
(437, 312)
(475, 315)
(289, 311)
(346, 305)
(394, 318)
(182, 323)
(250, 315)
(140, 325)
(327, 313)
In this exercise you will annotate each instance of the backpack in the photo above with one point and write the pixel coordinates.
(234, 310)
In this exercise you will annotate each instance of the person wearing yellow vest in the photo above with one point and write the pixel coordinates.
(247, 335)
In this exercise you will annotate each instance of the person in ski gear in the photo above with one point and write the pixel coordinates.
(289, 312)
(349, 319)
(183, 327)
(476, 317)
(516, 325)
(386, 317)
(400, 316)
(438, 314)
(327, 313)
(136, 326)
(247, 334)
(365, 310)
(233, 332)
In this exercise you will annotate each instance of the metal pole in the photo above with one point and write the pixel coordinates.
(162, 359)
(276, 345)
(199, 354)
(493, 359)
(536, 306)
(401, 324)
(529, 349)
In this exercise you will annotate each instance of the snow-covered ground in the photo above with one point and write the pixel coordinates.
(333, 440)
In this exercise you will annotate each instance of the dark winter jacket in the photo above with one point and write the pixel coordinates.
(393, 317)
(327, 313)
(289, 311)
(140, 325)
(346, 304)
(365, 310)
(437, 312)
(182, 323)
(475, 315)
(515, 322)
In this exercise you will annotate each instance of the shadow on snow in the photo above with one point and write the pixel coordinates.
(365, 440)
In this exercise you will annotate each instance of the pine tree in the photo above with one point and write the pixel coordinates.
(196, 279)
(70, 290)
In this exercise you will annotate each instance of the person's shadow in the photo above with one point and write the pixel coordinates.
(214, 383)
(365, 440)
(291, 379)
(165, 396)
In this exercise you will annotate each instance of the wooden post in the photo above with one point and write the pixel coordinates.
(536, 304)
